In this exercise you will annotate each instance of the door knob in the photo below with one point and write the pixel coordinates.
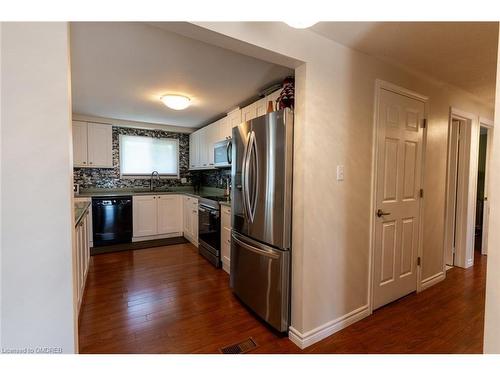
(381, 213)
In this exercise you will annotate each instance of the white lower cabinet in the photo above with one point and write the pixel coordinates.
(190, 223)
(145, 212)
(82, 257)
(169, 214)
(225, 240)
(156, 216)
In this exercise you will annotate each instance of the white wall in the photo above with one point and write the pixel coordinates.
(492, 309)
(0, 185)
(331, 220)
(36, 192)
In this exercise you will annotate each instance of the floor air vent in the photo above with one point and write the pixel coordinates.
(240, 348)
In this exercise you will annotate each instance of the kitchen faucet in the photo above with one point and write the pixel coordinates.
(151, 186)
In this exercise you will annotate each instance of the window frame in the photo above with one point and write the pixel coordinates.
(145, 175)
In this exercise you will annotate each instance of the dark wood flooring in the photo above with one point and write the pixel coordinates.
(170, 300)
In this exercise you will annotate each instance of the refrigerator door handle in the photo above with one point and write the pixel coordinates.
(244, 178)
(255, 179)
(263, 250)
(246, 166)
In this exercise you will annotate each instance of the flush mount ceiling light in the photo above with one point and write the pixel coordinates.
(176, 102)
(300, 24)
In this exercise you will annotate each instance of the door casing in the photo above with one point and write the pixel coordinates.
(488, 124)
(379, 85)
(464, 255)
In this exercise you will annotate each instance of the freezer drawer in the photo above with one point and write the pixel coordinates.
(260, 278)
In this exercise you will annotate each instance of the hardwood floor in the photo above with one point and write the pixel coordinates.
(170, 300)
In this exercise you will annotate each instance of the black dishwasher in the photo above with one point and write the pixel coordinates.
(112, 220)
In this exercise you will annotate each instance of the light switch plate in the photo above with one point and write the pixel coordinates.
(340, 173)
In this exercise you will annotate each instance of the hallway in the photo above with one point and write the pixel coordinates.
(170, 300)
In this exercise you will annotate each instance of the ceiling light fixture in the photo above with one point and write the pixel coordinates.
(300, 24)
(177, 102)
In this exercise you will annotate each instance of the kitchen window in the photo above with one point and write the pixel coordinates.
(140, 156)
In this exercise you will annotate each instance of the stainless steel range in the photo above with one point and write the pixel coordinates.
(209, 228)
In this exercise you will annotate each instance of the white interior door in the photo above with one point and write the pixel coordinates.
(399, 168)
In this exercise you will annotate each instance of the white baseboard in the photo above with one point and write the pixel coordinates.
(156, 237)
(434, 279)
(303, 340)
(225, 267)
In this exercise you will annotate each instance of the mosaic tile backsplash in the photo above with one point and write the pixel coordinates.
(109, 178)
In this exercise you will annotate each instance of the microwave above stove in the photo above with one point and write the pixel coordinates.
(222, 153)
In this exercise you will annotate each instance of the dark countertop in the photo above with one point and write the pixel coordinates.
(124, 192)
(81, 209)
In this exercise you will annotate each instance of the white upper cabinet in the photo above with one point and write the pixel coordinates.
(260, 107)
(201, 142)
(79, 144)
(92, 145)
(249, 112)
(100, 145)
(233, 119)
(212, 137)
(194, 150)
(169, 214)
(202, 147)
(254, 110)
(225, 128)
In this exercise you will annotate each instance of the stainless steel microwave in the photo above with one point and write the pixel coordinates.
(222, 153)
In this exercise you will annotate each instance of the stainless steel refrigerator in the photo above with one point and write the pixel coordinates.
(261, 215)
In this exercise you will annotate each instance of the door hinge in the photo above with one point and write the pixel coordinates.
(419, 261)
(424, 123)
(421, 193)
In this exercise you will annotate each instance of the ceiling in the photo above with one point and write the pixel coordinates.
(462, 54)
(120, 70)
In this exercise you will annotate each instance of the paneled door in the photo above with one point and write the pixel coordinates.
(80, 141)
(145, 212)
(169, 214)
(100, 145)
(398, 184)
